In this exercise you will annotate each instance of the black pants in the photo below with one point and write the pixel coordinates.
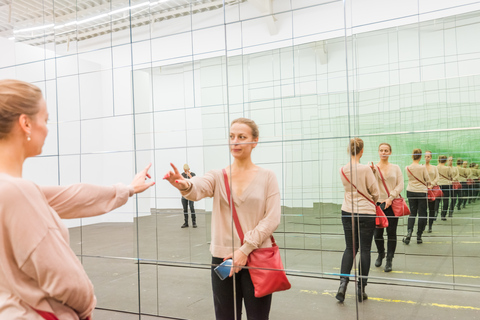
(363, 228)
(432, 213)
(464, 194)
(224, 297)
(417, 201)
(444, 201)
(391, 233)
(185, 204)
(456, 198)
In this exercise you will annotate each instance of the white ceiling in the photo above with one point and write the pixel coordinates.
(37, 22)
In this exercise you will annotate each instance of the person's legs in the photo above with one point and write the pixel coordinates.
(367, 227)
(256, 308)
(185, 212)
(380, 243)
(455, 194)
(431, 213)
(413, 204)
(223, 294)
(463, 194)
(348, 254)
(445, 200)
(391, 238)
(192, 211)
(422, 215)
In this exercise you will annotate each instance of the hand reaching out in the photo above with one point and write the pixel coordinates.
(176, 179)
(139, 182)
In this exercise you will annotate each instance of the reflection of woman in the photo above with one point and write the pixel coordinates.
(186, 174)
(418, 181)
(476, 185)
(434, 176)
(472, 177)
(445, 183)
(256, 196)
(456, 193)
(358, 218)
(39, 272)
(391, 176)
(462, 177)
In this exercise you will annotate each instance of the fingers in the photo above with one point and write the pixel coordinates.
(174, 168)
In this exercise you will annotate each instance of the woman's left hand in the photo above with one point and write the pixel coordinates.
(139, 182)
(388, 203)
(239, 261)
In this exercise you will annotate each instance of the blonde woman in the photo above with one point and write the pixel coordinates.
(456, 193)
(462, 177)
(39, 273)
(389, 175)
(256, 196)
(358, 218)
(445, 182)
(434, 176)
(417, 188)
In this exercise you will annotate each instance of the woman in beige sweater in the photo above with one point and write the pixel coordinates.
(39, 272)
(256, 196)
(389, 175)
(417, 188)
(434, 176)
(445, 178)
(358, 218)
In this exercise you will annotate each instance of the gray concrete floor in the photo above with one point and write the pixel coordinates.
(438, 279)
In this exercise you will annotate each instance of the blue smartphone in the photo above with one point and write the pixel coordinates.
(223, 270)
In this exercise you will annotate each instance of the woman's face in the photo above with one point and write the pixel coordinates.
(428, 157)
(241, 141)
(384, 152)
(38, 131)
(449, 161)
(465, 163)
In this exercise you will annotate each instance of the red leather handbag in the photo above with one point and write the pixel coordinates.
(456, 185)
(399, 206)
(437, 192)
(265, 264)
(381, 220)
(470, 182)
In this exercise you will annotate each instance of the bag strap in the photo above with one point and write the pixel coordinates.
(234, 211)
(445, 177)
(416, 177)
(383, 180)
(357, 189)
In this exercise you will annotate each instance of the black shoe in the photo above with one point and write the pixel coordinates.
(185, 225)
(378, 262)
(407, 238)
(388, 265)
(444, 219)
(430, 228)
(459, 209)
(342, 290)
(361, 295)
(194, 224)
(419, 239)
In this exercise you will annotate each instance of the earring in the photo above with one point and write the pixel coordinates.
(28, 137)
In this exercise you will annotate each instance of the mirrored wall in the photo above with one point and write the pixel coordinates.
(129, 83)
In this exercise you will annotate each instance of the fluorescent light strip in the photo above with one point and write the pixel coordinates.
(103, 15)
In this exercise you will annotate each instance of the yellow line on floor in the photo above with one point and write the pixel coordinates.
(439, 305)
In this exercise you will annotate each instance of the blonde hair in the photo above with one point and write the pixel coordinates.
(250, 123)
(356, 146)
(442, 159)
(16, 98)
(416, 154)
(186, 167)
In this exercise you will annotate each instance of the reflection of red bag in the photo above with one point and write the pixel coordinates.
(265, 264)
(437, 191)
(430, 192)
(431, 195)
(46, 315)
(381, 220)
(456, 185)
(470, 182)
(399, 206)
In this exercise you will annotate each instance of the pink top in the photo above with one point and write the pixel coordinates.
(258, 210)
(38, 268)
(363, 178)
